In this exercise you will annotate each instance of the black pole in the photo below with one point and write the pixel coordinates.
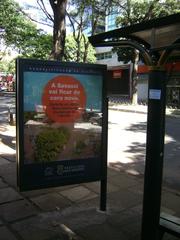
(103, 195)
(154, 154)
(103, 186)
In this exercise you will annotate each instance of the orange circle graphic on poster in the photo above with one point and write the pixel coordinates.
(64, 99)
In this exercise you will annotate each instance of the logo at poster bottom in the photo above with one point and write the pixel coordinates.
(64, 99)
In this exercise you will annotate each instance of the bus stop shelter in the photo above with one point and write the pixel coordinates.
(157, 40)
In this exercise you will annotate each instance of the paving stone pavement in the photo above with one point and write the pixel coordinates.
(72, 212)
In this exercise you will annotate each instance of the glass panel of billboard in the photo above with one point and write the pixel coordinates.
(60, 123)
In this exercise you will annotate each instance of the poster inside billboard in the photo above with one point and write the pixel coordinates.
(60, 123)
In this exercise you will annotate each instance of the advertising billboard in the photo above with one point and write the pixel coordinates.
(61, 123)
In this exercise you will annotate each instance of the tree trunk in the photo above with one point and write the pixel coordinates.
(78, 42)
(78, 58)
(86, 47)
(134, 98)
(59, 30)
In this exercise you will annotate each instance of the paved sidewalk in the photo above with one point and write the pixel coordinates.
(141, 109)
(72, 212)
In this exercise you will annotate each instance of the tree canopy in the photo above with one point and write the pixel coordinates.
(18, 32)
(76, 52)
(132, 12)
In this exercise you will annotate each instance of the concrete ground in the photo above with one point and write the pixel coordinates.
(72, 212)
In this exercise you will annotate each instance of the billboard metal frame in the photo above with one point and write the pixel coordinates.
(26, 172)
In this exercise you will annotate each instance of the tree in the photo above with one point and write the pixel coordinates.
(86, 16)
(78, 17)
(17, 32)
(59, 25)
(75, 52)
(83, 13)
(143, 10)
(7, 64)
(132, 12)
(59, 29)
(39, 46)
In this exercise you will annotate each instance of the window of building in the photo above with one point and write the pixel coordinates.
(111, 19)
(105, 55)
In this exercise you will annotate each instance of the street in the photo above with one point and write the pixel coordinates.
(126, 142)
(7, 132)
(126, 145)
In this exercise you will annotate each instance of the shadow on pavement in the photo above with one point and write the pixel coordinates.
(137, 127)
(8, 140)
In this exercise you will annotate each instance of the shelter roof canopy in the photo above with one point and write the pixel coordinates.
(158, 33)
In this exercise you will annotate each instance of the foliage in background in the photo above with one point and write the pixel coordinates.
(75, 53)
(132, 12)
(58, 21)
(7, 65)
(19, 33)
(86, 17)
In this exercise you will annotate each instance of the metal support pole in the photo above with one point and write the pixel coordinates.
(154, 154)
(103, 195)
(103, 186)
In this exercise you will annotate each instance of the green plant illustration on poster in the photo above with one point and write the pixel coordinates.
(49, 143)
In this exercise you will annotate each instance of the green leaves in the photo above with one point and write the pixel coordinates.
(49, 143)
(133, 11)
(75, 50)
(21, 34)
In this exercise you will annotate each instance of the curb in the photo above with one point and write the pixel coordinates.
(169, 114)
(127, 110)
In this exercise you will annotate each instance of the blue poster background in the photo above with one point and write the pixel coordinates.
(34, 83)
